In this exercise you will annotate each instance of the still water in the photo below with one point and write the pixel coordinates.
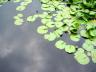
(22, 49)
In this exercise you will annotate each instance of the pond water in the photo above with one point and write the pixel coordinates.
(22, 49)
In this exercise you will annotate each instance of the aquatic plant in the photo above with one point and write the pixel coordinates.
(3, 1)
(77, 18)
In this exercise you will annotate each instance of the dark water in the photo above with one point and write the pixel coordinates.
(22, 49)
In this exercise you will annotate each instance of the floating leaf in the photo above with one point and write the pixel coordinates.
(93, 55)
(65, 28)
(50, 24)
(16, 17)
(93, 32)
(60, 44)
(15, 1)
(45, 21)
(59, 31)
(91, 24)
(84, 33)
(75, 37)
(50, 37)
(31, 18)
(19, 22)
(58, 24)
(23, 3)
(42, 29)
(87, 45)
(20, 8)
(70, 49)
(43, 15)
(81, 57)
(20, 15)
(88, 53)
(44, 1)
(94, 41)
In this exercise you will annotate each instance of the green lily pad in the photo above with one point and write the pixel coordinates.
(45, 1)
(59, 24)
(21, 8)
(93, 55)
(20, 15)
(32, 18)
(75, 37)
(70, 49)
(87, 45)
(94, 41)
(50, 37)
(81, 57)
(16, 17)
(84, 33)
(50, 24)
(18, 22)
(24, 3)
(93, 32)
(15, 1)
(45, 21)
(59, 31)
(60, 44)
(42, 29)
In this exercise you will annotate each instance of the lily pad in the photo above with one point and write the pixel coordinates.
(21, 8)
(51, 36)
(70, 49)
(93, 32)
(31, 18)
(60, 44)
(87, 45)
(42, 29)
(93, 55)
(59, 24)
(75, 37)
(84, 33)
(81, 57)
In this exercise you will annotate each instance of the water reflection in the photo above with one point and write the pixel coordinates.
(23, 50)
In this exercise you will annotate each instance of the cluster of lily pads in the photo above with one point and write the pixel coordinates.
(2, 2)
(74, 17)
(23, 5)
